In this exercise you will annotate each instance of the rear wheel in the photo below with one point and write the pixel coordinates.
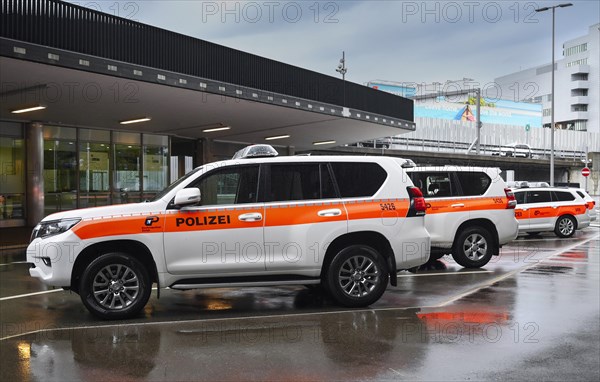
(565, 226)
(473, 247)
(357, 276)
(115, 286)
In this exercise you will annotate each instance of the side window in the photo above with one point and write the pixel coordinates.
(327, 187)
(520, 197)
(235, 185)
(300, 182)
(473, 183)
(562, 196)
(580, 194)
(356, 179)
(433, 184)
(538, 197)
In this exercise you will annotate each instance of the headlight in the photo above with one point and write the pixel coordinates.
(54, 227)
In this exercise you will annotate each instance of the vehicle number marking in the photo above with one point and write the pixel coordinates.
(387, 206)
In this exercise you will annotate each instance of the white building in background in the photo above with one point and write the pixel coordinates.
(577, 85)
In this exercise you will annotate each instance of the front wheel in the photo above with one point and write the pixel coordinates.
(115, 286)
(473, 247)
(565, 226)
(357, 276)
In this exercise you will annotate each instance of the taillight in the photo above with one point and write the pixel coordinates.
(417, 202)
(512, 201)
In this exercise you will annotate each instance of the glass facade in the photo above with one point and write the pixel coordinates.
(89, 168)
(94, 168)
(12, 174)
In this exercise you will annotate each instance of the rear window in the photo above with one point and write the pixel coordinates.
(473, 183)
(434, 184)
(580, 194)
(562, 196)
(356, 179)
(520, 197)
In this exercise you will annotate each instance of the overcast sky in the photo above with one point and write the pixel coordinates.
(403, 41)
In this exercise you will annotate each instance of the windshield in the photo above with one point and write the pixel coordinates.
(175, 184)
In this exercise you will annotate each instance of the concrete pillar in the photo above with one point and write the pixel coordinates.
(34, 134)
(206, 151)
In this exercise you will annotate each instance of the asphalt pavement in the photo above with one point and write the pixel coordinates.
(531, 313)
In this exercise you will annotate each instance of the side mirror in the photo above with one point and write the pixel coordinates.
(187, 197)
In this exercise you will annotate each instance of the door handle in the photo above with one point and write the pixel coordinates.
(251, 217)
(457, 205)
(331, 212)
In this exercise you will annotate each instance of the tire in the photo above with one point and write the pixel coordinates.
(107, 286)
(473, 247)
(565, 226)
(357, 276)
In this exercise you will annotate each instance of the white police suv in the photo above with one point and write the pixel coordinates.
(348, 223)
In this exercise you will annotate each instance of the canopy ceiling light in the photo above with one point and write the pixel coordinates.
(323, 143)
(276, 137)
(213, 129)
(137, 120)
(28, 109)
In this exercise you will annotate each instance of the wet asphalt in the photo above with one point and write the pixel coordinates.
(531, 313)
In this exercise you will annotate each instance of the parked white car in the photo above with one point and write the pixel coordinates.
(348, 223)
(560, 210)
(470, 212)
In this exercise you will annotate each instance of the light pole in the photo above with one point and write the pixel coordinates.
(553, 8)
(341, 68)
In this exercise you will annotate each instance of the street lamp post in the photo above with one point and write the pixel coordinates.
(342, 69)
(553, 8)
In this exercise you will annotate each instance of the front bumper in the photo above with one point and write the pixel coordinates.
(52, 258)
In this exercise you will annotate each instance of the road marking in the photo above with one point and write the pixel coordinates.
(512, 273)
(154, 288)
(545, 239)
(36, 294)
(30, 294)
(445, 274)
(293, 315)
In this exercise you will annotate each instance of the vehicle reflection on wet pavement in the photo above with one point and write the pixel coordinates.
(532, 313)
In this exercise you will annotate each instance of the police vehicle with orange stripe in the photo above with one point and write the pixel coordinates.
(548, 209)
(470, 212)
(348, 223)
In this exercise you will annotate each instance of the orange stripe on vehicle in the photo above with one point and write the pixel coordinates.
(183, 221)
(119, 225)
(229, 218)
(385, 208)
(438, 206)
(548, 212)
(301, 214)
